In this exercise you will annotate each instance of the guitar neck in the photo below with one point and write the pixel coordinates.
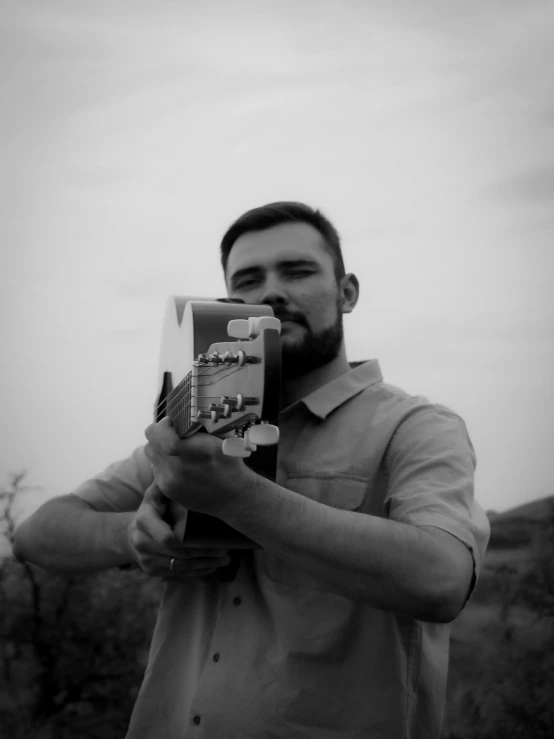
(178, 405)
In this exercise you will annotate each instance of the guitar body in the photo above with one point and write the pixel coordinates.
(247, 369)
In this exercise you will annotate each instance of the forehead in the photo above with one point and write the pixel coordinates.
(285, 242)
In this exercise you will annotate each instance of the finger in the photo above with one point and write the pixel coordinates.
(202, 445)
(151, 434)
(154, 535)
(154, 497)
(163, 437)
(154, 454)
(152, 427)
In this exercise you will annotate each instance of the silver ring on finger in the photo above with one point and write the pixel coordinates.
(172, 563)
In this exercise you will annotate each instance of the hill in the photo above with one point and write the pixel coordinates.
(519, 526)
(535, 510)
(501, 676)
(73, 650)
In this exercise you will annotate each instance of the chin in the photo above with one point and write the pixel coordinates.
(290, 342)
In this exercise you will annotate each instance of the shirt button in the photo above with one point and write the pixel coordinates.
(216, 657)
(237, 601)
(196, 720)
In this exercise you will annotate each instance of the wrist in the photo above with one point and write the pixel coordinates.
(243, 495)
(126, 549)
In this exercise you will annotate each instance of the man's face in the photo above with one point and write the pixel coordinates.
(289, 268)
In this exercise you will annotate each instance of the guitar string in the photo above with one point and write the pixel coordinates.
(185, 403)
(175, 401)
(179, 399)
(171, 401)
(179, 395)
(218, 379)
(175, 396)
(182, 387)
(184, 413)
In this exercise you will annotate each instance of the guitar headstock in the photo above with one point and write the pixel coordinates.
(236, 385)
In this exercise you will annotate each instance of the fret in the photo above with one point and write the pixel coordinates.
(177, 406)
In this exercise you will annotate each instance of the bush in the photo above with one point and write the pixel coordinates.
(74, 650)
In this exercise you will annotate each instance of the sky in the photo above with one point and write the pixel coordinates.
(133, 133)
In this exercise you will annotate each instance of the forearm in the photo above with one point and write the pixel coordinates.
(66, 535)
(383, 563)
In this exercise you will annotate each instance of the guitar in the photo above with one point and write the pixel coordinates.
(222, 387)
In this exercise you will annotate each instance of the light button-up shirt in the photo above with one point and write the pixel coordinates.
(274, 654)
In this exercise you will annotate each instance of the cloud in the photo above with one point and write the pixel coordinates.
(535, 185)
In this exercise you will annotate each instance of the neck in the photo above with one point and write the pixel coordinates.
(301, 386)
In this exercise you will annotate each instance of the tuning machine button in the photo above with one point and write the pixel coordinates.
(249, 441)
(235, 447)
(235, 404)
(264, 434)
(264, 322)
(238, 329)
(242, 328)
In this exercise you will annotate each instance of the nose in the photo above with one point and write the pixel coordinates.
(273, 293)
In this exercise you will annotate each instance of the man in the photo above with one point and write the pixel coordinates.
(371, 541)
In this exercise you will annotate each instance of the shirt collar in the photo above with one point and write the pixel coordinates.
(330, 396)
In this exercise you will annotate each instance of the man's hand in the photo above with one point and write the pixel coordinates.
(194, 471)
(154, 544)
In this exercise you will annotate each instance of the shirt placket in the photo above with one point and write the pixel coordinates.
(212, 703)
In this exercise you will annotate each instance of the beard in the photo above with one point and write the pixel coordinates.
(315, 349)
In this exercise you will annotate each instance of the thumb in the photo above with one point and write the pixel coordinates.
(154, 497)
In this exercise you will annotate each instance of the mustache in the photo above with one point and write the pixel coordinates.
(286, 316)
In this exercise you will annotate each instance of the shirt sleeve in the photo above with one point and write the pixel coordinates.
(430, 465)
(120, 487)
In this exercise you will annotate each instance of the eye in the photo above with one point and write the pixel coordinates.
(300, 273)
(246, 284)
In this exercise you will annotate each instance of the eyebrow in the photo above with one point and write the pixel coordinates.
(285, 264)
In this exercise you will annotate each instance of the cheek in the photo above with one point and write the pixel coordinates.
(321, 308)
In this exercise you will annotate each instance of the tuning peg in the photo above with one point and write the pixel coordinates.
(249, 444)
(241, 328)
(234, 446)
(238, 403)
(222, 409)
(264, 322)
(238, 329)
(263, 434)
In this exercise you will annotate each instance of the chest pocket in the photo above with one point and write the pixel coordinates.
(340, 491)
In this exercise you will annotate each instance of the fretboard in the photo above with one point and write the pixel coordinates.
(177, 405)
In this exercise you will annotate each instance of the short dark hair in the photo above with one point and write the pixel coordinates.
(274, 214)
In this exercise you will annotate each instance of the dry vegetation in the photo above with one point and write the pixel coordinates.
(501, 678)
(73, 650)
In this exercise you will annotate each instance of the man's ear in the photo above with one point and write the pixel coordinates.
(349, 292)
